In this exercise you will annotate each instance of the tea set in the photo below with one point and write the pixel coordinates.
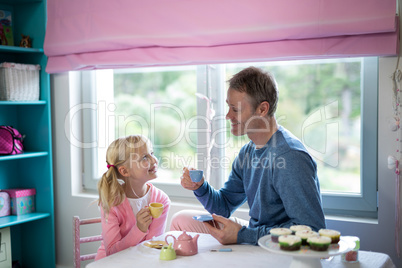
(167, 253)
(183, 245)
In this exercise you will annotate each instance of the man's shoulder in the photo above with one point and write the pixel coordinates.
(284, 141)
(246, 148)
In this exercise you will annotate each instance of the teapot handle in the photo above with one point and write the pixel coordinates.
(166, 239)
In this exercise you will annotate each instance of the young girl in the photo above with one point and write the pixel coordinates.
(125, 193)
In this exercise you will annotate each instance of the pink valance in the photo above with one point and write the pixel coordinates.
(85, 34)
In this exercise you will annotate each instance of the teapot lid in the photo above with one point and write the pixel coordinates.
(184, 236)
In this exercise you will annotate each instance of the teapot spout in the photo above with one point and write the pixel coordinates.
(195, 238)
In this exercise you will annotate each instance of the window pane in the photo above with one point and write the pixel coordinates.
(320, 103)
(159, 103)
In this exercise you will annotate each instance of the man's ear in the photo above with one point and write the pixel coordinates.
(263, 108)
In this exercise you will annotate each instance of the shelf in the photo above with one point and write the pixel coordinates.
(14, 220)
(23, 155)
(40, 102)
(33, 168)
(14, 49)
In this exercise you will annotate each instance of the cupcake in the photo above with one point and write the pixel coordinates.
(333, 234)
(289, 242)
(304, 234)
(296, 228)
(276, 232)
(319, 243)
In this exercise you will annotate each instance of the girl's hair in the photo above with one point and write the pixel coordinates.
(259, 85)
(111, 192)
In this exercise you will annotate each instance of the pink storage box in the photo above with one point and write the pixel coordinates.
(22, 201)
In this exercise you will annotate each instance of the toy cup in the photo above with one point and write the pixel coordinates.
(167, 253)
(156, 209)
(196, 175)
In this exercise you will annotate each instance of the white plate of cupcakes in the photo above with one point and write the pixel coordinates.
(302, 241)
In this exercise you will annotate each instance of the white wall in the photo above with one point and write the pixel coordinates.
(375, 236)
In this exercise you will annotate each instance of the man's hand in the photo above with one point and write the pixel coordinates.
(186, 181)
(226, 233)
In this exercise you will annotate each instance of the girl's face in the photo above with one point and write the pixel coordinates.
(143, 165)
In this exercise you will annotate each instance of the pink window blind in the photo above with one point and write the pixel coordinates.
(87, 34)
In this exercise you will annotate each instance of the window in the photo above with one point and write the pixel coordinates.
(182, 110)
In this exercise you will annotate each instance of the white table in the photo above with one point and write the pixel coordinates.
(241, 256)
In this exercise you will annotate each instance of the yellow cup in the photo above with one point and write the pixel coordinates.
(156, 209)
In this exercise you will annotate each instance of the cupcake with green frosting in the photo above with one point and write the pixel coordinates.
(296, 228)
(289, 242)
(277, 232)
(319, 243)
(333, 234)
(304, 234)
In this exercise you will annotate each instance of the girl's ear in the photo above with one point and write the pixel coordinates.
(123, 171)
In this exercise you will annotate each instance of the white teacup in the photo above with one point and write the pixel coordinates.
(156, 209)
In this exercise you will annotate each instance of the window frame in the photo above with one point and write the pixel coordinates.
(364, 204)
(211, 84)
(92, 80)
(89, 178)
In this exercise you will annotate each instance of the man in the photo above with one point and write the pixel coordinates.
(274, 172)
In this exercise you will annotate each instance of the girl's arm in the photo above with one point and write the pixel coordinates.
(119, 234)
(158, 225)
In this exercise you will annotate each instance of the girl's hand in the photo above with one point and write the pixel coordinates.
(144, 219)
(186, 181)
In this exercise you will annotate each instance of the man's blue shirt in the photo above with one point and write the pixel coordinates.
(279, 182)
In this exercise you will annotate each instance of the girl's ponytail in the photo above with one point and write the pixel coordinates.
(111, 193)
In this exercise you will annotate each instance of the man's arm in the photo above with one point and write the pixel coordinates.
(224, 201)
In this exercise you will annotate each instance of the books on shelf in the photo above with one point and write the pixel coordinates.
(6, 28)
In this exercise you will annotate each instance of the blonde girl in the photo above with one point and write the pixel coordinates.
(125, 193)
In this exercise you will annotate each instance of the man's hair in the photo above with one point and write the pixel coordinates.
(259, 85)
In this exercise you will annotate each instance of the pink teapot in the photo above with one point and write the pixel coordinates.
(184, 245)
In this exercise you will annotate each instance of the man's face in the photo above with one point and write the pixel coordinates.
(240, 112)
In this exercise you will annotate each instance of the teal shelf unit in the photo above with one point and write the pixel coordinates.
(33, 234)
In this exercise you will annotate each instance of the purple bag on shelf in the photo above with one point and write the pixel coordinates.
(11, 141)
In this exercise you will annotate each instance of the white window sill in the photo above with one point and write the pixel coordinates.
(351, 219)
